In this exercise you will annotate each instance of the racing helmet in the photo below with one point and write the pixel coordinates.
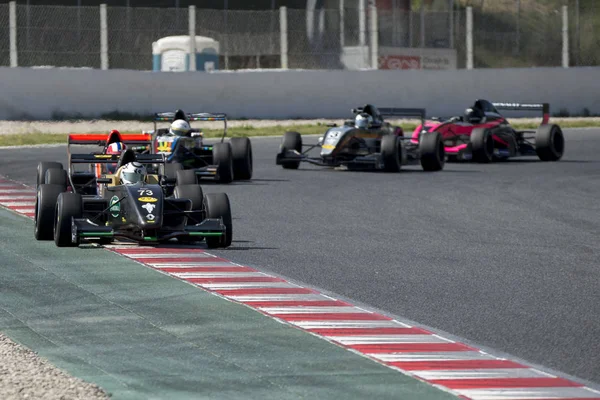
(179, 127)
(363, 121)
(474, 115)
(133, 173)
(114, 148)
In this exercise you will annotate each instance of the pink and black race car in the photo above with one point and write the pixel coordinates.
(482, 134)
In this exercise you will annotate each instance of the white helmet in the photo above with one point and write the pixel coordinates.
(363, 121)
(132, 173)
(179, 127)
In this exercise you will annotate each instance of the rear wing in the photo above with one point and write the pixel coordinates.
(543, 107)
(420, 113)
(101, 139)
(206, 116)
(114, 158)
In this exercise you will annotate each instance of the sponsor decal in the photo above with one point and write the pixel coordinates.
(149, 207)
(164, 147)
(114, 206)
(400, 62)
(148, 199)
(102, 155)
(150, 217)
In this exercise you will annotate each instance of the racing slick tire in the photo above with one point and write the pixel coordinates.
(186, 177)
(56, 176)
(549, 143)
(223, 159)
(433, 152)
(482, 145)
(169, 170)
(68, 206)
(195, 194)
(241, 151)
(45, 205)
(44, 166)
(391, 153)
(217, 206)
(291, 141)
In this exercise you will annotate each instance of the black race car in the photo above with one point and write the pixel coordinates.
(221, 161)
(379, 145)
(69, 209)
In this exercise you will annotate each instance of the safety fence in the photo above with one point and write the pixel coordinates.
(357, 37)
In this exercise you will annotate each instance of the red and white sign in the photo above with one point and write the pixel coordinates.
(399, 62)
(414, 58)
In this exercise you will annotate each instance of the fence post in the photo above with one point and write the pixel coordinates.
(374, 35)
(565, 37)
(283, 32)
(361, 23)
(342, 16)
(192, 36)
(451, 24)
(12, 15)
(422, 24)
(103, 38)
(469, 37)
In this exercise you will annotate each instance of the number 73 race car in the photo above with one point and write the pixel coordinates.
(367, 142)
(73, 205)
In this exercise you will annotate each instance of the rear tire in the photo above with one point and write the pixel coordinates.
(56, 176)
(44, 166)
(391, 153)
(68, 206)
(291, 141)
(482, 145)
(195, 194)
(222, 157)
(218, 206)
(169, 170)
(433, 153)
(186, 177)
(45, 205)
(241, 151)
(549, 143)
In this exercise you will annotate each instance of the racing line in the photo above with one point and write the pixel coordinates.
(452, 366)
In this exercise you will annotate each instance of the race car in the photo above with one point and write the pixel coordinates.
(185, 148)
(130, 204)
(483, 135)
(367, 142)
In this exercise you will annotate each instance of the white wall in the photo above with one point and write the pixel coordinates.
(288, 94)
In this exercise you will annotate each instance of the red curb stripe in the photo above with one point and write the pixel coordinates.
(332, 317)
(409, 347)
(259, 291)
(507, 383)
(369, 331)
(233, 268)
(234, 279)
(298, 303)
(159, 250)
(454, 364)
(181, 260)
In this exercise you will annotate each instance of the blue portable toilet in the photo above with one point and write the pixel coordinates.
(171, 53)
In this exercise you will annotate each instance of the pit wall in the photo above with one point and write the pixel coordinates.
(281, 94)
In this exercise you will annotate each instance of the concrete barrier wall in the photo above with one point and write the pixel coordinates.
(38, 93)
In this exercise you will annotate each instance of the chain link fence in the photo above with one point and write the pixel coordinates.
(505, 33)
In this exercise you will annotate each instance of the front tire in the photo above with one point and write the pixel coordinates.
(68, 206)
(218, 206)
(549, 143)
(241, 151)
(222, 157)
(195, 194)
(186, 177)
(433, 152)
(57, 176)
(45, 205)
(44, 166)
(482, 145)
(391, 153)
(291, 141)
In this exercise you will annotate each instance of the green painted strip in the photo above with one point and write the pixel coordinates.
(151, 238)
(92, 234)
(206, 233)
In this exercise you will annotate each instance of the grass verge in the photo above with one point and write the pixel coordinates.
(28, 139)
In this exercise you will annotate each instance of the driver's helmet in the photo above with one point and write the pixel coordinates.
(474, 115)
(363, 121)
(133, 173)
(114, 148)
(180, 127)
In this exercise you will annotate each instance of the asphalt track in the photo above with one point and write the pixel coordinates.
(505, 255)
